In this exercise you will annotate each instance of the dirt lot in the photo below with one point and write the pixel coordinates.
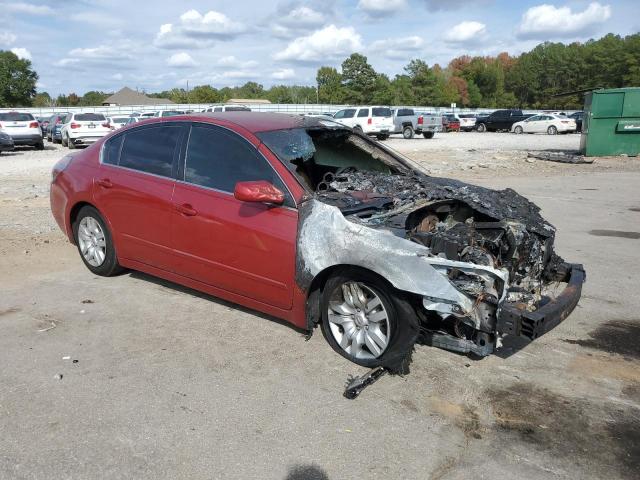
(163, 382)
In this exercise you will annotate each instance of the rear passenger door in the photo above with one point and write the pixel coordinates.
(243, 248)
(134, 188)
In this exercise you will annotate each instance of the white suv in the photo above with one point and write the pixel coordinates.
(83, 129)
(376, 120)
(22, 128)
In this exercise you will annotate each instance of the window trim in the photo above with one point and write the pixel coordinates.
(175, 163)
(182, 166)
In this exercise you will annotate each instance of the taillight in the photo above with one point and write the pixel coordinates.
(75, 125)
(420, 120)
(34, 125)
(370, 121)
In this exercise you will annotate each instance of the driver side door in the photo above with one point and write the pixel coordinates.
(244, 248)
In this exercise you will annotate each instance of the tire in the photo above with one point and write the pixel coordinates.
(427, 134)
(481, 128)
(518, 130)
(393, 333)
(70, 144)
(62, 142)
(39, 146)
(552, 130)
(407, 132)
(87, 236)
(358, 129)
(382, 137)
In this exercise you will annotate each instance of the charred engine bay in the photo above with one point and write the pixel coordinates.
(455, 220)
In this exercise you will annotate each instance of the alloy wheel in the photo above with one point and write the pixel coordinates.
(92, 242)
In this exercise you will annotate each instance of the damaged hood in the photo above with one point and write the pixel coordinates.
(411, 192)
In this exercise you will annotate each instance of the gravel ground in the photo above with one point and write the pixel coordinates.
(170, 383)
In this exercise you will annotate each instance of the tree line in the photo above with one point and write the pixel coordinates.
(534, 79)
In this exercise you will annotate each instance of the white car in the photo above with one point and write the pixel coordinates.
(227, 108)
(372, 120)
(22, 128)
(83, 129)
(545, 123)
(117, 122)
(467, 121)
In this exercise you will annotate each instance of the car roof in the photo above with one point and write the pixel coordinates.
(254, 122)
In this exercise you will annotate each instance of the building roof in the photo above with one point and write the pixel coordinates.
(126, 96)
(248, 100)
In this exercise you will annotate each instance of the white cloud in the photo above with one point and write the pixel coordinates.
(544, 21)
(329, 43)
(195, 30)
(283, 74)
(117, 76)
(106, 55)
(27, 8)
(22, 53)
(96, 18)
(465, 32)
(231, 61)
(379, 8)
(181, 60)
(435, 5)
(293, 19)
(7, 38)
(397, 48)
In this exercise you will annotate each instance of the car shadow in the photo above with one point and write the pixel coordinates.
(306, 472)
(205, 296)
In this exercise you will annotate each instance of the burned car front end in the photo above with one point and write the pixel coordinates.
(478, 264)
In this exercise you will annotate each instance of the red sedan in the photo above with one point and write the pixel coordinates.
(307, 220)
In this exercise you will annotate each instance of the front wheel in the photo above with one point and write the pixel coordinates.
(365, 320)
(427, 134)
(518, 130)
(481, 128)
(95, 243)
(552, 130)
(407, 132)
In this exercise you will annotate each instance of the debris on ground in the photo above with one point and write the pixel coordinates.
(58, 376)
(66, 358)
(355, 385)
(562, 157)
(53, 325)
(87, 301)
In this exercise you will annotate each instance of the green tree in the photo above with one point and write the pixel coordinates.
(93, 98)
(17, 81)
(329, 83)
(204, 94)
(359, 79)
(42, 100)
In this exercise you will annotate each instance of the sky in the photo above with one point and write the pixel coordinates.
(82, 45)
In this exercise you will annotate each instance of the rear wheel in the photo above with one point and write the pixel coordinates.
(407, 132)
(62, 141)
(364, 319)
(39, 146)
(427, 134)
(70, 144)
(518, 130)
(95, 243)
(481, 128)
(552, 130)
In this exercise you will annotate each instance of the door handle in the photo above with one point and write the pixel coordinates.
(186, 209)
(105, 182)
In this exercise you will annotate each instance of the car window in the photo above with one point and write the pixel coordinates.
(349, 113)
(217, 109)
(151, 150)
(363, 112)
(405, 112)
(217, 158)
(381, 112)
(16, 117)
(90, 117)
(535, 118)
(111, 150)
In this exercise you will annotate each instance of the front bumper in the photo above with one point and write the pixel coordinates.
(514, 321)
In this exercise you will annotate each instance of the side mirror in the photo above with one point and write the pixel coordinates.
(259, 191)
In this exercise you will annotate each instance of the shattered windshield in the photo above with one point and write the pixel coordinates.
(313, 153)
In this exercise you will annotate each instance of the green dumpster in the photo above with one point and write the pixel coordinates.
(611, 124)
